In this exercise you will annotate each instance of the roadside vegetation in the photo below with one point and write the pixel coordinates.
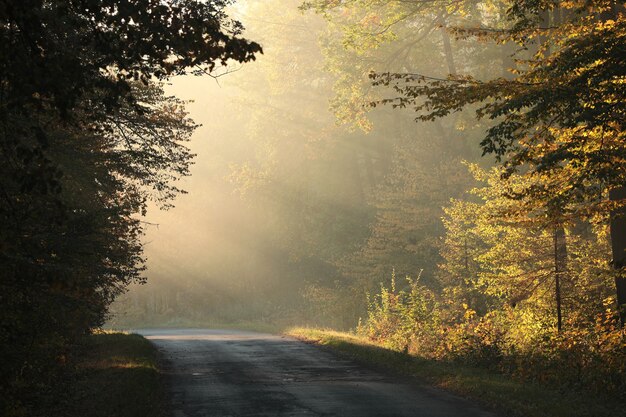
(505, 395)
(88, 140)
(113, 374)
(511, 261)
(502, 212)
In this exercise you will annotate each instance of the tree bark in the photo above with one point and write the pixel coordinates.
(560, 269)
(447, 48)
(618, 248)
(508, 62)
(369, 171)
(355, 172)
(544, 23)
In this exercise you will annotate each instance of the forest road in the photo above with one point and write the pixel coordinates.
(235, 373)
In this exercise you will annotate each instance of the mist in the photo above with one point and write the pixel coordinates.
(274, 207)
(303, 197)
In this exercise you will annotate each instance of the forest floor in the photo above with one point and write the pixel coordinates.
(115, 374)
(506, 395)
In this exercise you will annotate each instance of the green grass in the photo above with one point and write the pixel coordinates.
(506, 395)
(116, 375)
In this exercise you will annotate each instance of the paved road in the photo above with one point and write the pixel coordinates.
(233, 373)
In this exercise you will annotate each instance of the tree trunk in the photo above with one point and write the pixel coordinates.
(369, 171)
(618, 247)
(355, 172)
(466, 255)
(508, 62)
(560, 268)
(447, 48)
(544, 24)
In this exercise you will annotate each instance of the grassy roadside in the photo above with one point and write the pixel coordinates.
(115, 375)
(501, 393)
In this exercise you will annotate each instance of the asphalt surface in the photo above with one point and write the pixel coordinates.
(234, 373)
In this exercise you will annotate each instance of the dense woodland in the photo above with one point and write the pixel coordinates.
(445, 177)
(433, 174)
(87, 139)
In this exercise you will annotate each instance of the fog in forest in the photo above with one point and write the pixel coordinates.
(303, 197)
(434, 187)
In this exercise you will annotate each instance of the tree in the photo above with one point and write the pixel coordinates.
(86, 138)
(561, 116)
(421, 174)
(56, 53)
(67, 255)
(498, 254)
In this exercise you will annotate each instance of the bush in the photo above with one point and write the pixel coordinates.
(513, 341)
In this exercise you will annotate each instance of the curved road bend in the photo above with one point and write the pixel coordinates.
(234, 373)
